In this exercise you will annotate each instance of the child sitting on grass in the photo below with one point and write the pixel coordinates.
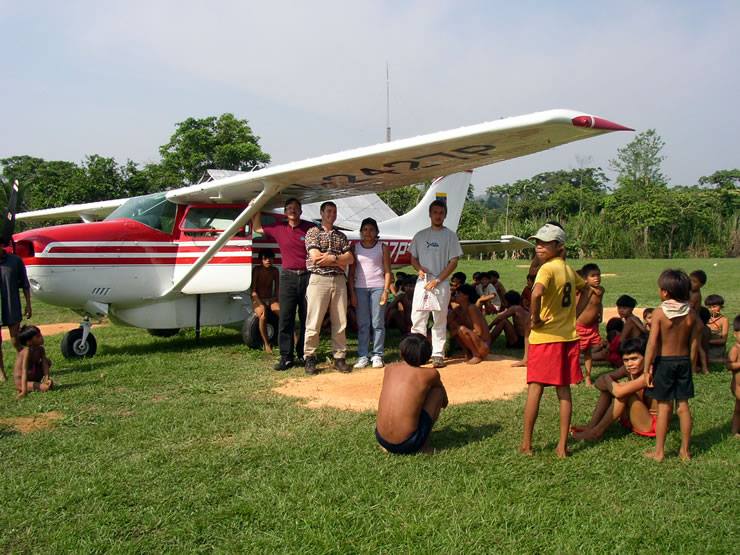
(698, 280)
(614, 329)
(410, 400)
(589, 312)
(468, 326)
(398, 311)
(516, 330)
(486, 295)
(629, 401)
(674, 338)
(719, 328)
(633, 326)
(647, 317)
(495, 279)
(31, 371)
(733, 365)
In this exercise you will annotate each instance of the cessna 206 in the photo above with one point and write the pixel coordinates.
(183, 258)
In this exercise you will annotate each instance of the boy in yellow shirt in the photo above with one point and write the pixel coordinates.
(553, 342)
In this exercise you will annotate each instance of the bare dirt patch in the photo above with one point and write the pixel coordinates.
(609, 275)
(64, 327)
(611, 312)
(359, 391)
(28, 424)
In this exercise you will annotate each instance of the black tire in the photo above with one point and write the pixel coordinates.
(251, 330)
(72, 346)
(169, 332)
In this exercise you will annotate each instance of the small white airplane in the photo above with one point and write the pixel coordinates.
(183, 258)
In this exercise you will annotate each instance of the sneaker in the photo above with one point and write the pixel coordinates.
(362, 362)
(378, 361)
(341, 365)
(438, 362)
(311, 366)
(283, 364)
(300, 362)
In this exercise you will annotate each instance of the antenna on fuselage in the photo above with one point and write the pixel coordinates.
(387, 104)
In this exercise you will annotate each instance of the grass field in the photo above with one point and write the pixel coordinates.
(162, 445)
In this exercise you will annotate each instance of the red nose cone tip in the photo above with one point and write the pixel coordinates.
(593, 122)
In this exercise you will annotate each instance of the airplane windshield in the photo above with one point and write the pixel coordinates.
(152, 210)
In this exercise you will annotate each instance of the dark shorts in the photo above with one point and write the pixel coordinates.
(518, 344)
(414, 442)
(672, 379)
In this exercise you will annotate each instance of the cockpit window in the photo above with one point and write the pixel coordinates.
(153, 210)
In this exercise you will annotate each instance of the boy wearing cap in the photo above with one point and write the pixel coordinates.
(552, 359)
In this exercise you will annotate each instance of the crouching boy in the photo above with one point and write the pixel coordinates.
(31, 371)
(410, 400)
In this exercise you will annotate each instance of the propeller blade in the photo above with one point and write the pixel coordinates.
(9, 224)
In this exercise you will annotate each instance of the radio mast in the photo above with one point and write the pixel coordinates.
(387, 104)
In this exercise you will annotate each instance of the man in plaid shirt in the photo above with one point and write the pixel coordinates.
(328, 255)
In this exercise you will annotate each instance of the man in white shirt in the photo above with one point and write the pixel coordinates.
(434, 254)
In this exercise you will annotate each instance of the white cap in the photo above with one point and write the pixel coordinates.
(549, 232)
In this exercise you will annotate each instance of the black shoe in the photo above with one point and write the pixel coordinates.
(311, 366)
(283, 364)
(300, 362)
(341, 365)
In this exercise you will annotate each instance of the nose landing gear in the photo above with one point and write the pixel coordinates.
(80, 342)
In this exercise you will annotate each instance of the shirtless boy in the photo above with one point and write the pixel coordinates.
(468, 326)
(516, 330)
(733, 365)
(633, 326)
(410, 400)
(719, 328)
(647, 317)
(698, 280)
(265, 292)
(589, 312)
(31, 371)
(674, 338)
(627, 401)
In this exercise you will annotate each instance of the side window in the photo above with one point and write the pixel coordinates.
(209, 221)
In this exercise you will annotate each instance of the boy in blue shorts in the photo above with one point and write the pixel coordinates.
(552, 359)
(675, 333)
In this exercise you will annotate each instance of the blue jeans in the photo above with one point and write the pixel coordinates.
(369, 312)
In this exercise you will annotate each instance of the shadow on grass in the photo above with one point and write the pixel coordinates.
(706, 440)
(89, 365)
(66, 386)
(8, 432)
(177, 344)
(461, 435)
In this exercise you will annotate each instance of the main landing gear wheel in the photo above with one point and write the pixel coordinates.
(169, 332)
(75, 345)
(251, 330)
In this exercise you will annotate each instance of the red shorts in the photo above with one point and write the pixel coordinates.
(625, 421)
(554, 363)
(588, 336)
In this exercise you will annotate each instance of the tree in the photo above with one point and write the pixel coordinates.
(403, 199)
(199, 144)
(639, 162)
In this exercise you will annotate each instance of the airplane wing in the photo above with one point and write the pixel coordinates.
(351, 211)
(402, 162)
(87, 212)
(506, 243)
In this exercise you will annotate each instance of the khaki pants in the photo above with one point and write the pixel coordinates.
(326, 292)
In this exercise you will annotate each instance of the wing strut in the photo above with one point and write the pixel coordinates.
(252, 208)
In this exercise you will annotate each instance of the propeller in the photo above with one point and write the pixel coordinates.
(9, 224)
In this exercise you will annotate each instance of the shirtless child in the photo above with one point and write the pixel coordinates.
(516, 330)
(410, 400)
(468, 326)
(589, 311)
(733, 365)
(698, 280)
(265, 292)
(674, 338)
(633, 326)
(398, 311)
(31, 371)
(629, 401)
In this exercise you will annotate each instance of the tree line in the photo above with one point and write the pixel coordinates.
(639, 215)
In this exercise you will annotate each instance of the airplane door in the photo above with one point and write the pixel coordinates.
(231, 269)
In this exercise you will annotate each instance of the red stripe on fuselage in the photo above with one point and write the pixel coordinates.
(45, 261)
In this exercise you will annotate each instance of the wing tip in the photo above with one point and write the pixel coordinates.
(594, 122)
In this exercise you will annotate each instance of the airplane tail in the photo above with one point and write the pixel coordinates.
(452, 189)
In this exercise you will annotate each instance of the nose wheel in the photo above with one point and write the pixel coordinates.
(79, 343)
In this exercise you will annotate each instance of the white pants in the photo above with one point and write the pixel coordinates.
(419, 318)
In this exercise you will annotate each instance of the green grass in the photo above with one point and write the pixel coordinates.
(166, 445)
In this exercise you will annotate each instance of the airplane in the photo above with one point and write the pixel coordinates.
(183, 258)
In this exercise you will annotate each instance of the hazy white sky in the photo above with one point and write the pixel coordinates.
(113, 78)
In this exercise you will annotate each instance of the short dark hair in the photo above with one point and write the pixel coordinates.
(590, 268)
(485, 275)
(632, 345)
(736, 323)
(469, 291)
(291, 200)
(714, 299)
(676, 283)
(415, 349)
(513, 298)
(647, 312)
(476, 275)
(701, 275)
(626, 300)
(460, 276)
(532, 276)
(325, 204)
(438, 202)
(26, 333)
(704, 314)
(266, 253)
(614, 324)
(494, 274)
(372, 222)
(556, 224)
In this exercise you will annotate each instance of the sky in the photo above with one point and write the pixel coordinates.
(113, 78)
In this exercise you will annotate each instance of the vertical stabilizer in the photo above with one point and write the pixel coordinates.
(452, 188)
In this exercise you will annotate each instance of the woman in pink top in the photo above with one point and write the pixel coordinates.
(369, 285)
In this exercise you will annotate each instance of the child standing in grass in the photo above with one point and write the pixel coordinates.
(719, 328)
(674, 338)
(733, 365)
(31, 371)
(552, 359)
(590, 311)
(698, 280)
